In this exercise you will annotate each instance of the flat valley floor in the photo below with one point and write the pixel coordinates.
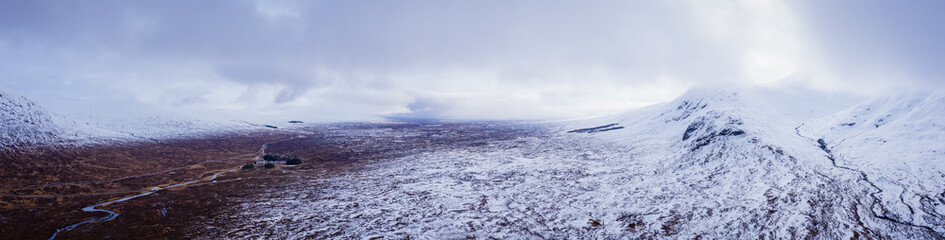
(437, 181)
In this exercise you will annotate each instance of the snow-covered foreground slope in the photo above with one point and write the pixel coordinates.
(898, 143)
(26, 124)
(713, 164)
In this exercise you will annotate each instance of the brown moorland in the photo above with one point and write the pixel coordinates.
(43, 198)
(45, 188)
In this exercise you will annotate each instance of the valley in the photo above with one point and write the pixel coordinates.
(711, 164)
(327, 150)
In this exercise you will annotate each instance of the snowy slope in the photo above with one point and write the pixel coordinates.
(741, 146)
(26, 124)
(706, 112)
(898, 142)
(712, 164)
(142, 121)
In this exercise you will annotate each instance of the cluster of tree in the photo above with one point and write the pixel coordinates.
(269, 165)
(288, 159)
(248, 166)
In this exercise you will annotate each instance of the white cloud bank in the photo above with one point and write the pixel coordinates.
(351, 60)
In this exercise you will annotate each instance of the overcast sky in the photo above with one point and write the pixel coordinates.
(366, 60)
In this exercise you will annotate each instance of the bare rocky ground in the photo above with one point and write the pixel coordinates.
(502, 181)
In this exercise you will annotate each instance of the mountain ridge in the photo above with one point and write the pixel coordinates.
(25, 123)
(712, 133)
(28, 125)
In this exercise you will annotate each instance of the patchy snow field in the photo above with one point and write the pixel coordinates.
(712, 164)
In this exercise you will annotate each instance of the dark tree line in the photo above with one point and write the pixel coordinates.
(289, 160)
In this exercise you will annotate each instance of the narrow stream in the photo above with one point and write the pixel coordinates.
(113, 214)
(863, 177)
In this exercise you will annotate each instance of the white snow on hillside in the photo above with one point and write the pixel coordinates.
(895, 146)
(713, 164)
(27, 124)
(731, 163)
(899, 143)
(139, 120)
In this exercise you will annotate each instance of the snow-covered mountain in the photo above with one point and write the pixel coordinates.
(738, 163)
(714, 163)
(142, 121)
(27, 124)
(731, 163)
(876, 169)
(898, 144)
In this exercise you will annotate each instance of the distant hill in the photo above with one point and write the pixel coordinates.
(26, 124)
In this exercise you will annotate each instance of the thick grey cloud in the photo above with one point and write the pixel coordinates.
(879, 42)
(351, 60)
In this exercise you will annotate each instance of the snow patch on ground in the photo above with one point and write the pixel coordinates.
(899, 141)
(716, 164)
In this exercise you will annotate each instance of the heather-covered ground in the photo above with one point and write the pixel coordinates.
(701, 175)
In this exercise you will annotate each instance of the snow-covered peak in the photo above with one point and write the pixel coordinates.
(796, 103)
(742, 118)
(697, 104)
(893, 145)
(908, 109)
(701, 100)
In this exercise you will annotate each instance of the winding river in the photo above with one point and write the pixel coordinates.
(113, 214)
